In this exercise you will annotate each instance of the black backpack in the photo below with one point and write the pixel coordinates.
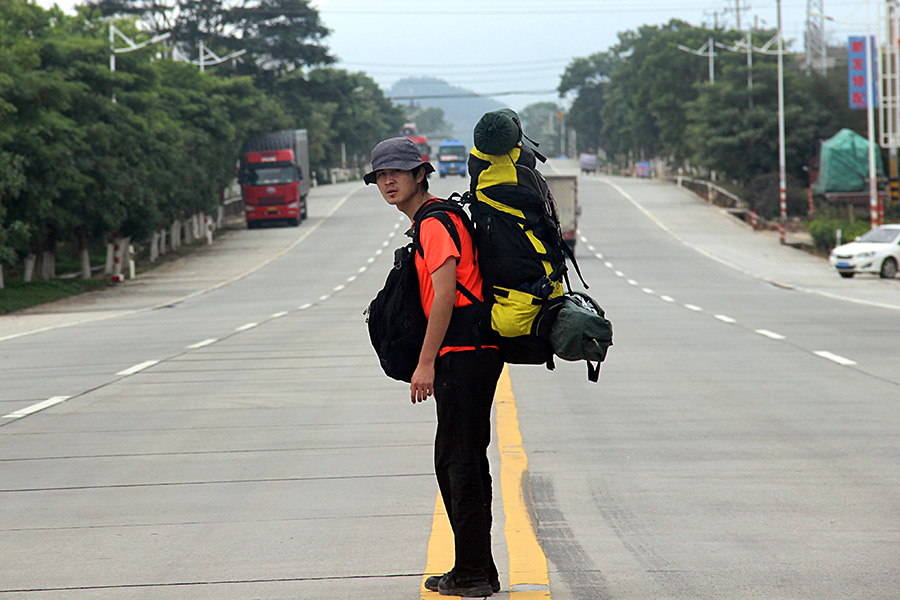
(395, 318)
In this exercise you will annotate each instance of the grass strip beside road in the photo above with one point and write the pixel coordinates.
(19, 295)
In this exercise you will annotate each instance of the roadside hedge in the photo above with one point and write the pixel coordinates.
(824, 231)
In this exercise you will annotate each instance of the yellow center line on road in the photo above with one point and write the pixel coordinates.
(440, 547)
(528, 575)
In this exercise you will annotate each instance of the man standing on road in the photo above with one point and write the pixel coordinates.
(460, 372)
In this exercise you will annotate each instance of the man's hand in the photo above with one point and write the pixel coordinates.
(422, 384)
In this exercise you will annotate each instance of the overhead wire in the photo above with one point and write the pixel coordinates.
(540, 7)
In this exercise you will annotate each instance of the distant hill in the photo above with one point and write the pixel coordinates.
(462, 112)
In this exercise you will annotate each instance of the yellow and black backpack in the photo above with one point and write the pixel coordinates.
(521, 252)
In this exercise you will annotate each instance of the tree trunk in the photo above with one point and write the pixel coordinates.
(48, 265)
(1, 276)
(176, 234)
(189, 231)
(122, 256)
(154, 247)
(84, 253)
(28, 274)
(108, 268)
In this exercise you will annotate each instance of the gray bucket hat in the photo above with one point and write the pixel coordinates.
(396, 153)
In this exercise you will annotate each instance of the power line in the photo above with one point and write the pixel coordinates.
(469, 66)
(474, 95)
(440, 73)
(461, 9)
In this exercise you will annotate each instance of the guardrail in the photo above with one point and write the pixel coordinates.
(719, 196)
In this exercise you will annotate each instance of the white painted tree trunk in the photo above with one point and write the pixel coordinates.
(110, 257)
(176, 234)
(120, 256)
(30, 260)
(154, 247)
(48, 265)
(85, 256)
(189, 231)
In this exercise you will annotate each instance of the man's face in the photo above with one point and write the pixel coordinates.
(397, 186)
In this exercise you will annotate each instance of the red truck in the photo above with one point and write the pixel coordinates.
(275, 177)
(422, 144)
(409, 130)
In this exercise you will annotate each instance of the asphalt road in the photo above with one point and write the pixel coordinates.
(219, 428)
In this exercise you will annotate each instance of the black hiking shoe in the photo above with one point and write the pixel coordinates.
(450, 585)
(433, 582)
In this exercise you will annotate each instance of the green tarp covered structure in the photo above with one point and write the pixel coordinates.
(844, 163)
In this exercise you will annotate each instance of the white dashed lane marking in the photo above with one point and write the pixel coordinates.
(841, 360)
(138, 367)
(28, 410)
(23, 412)
(202, 344)
(835, 358)
(770, 334)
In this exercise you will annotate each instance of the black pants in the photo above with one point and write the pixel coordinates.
(465, 383)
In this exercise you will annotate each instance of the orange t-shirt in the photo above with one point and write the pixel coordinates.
(438, 246)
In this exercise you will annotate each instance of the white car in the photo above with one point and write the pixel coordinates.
(878, 251)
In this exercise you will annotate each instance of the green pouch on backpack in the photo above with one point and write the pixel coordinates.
(581, 331)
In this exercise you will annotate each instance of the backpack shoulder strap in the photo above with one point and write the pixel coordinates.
(441, 209)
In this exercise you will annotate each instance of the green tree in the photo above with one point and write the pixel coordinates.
(430, 122)
(278, 36)
(338, 107)
(641, 87)
(588, 78)
(77, 167)
(15, 234)
(730, 134)
(544, 122)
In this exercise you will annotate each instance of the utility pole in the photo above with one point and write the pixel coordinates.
(707, 50)
(737, 12)
(890, 99)
(113, 32)
(715, 15)
(816, 54)
(207, 57)
(875, 209)
(746, 45)
(782, 170)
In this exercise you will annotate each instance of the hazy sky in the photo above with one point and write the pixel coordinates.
(506, 47)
